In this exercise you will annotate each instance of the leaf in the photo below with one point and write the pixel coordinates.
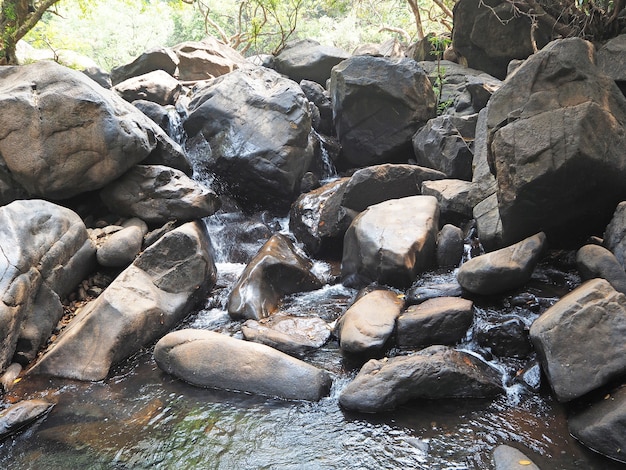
(525, 462)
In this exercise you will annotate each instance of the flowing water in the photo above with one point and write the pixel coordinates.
(143, 418)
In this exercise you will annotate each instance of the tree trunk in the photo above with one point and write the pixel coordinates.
(418, 18)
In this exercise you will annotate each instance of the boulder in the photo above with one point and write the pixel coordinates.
(61, 134)
(489, 36)
(292, 335)
(317, 95)
(121, 248)
(21, 414)
(421, 293)
(544, 147)
(483, 182)
(145, 301)
(257, 124)
(433, 373)
(157, 194)
(601, 426)
(276, 270)
(390, 48)
(379, 104)
(441, 320)
(502, 270)
(507, 338)
(489, 223)
(212, 360)
(506, 457)
(450, 246)
(440, 145)
(46, 252)
(596, 261)
(365, 328)
(615, 234)
(391, 242)
(158, 86)
(159, 58)
(317, 218)
(463, 91)
(206, 59)
(580, 339)
(374, 184)
(454, 196)
(611, 59)
(308, 60)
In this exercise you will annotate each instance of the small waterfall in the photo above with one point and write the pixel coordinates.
(327, 166)
(175, 128)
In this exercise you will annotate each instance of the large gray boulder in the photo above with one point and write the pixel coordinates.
(62, 134)
(157, 194)
(489, 35)
(212, 360)
(504, 269)
(45, 251)
(611, 58)
(206, 59)
(432, 373)
(276, 270)
(158, 86)
(308, 60)
(379, 104)
(596, 261)
(258, 125)
(391, 242)
(615, 234)
(580, 339)
(366, 327)
(454, 196)
(145, 301)
(373, 184)
(159, 58)
(544, 147)
(601, 426)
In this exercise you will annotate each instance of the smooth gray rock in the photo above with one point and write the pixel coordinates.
(308, 60)
(159, 58)
(615, 234)
(502, 270)
(418, 294)
(611, 60)
(21, 414)
(146, 300)
(596, 261)
(601, 426)
(365, 328)
(212, 360)
(450, 246)
(489, 223)
(206, 59)
(158, 86)
(276, 270)
(506, 457)
(442, 320)
(158, 194)
(580, 339)
(454, 196)
(378, 104)
(45, 251)
(433, 373)
(292, 335)
(392, 242)
(121, 248)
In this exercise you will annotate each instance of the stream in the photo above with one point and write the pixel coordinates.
(141, 417)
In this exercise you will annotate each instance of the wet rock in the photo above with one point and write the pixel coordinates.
(318, 95)
(489, 223)
(504, 269)
(615, 234)
(455, 202)
(121, 248)
(308, 60)
(89, 136)
(146, 300)
(46, 253)
(433, 373)
(21, 414)
(418, 294)
(379, 104)
(158, 194)
(158, 86)
(450, 246)
(276, 270)
(207, 359)
(483, 181)
(530, 376)
(154, 59)
(7, 380)
(442, 320)
(596, 261)
(601, 426)
(295, 336)
(374, 184)
(317, 218)
(508, 338)
(258, 125)
(509, 458)
(206, 59)
(489, 37)
(580, 339)
(392, 242)
(365, 328)
(441, 146)
(558, 194)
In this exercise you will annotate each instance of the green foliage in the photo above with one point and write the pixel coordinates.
(439, 45)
